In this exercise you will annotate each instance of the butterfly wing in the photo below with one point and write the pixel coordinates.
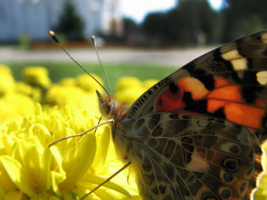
(196, 134)
(227, 83)
(192, 157)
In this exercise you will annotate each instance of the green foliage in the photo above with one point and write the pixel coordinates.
(243, 18)
(191, 22)
(70, 23)
(129, 26)
(154, 23)
(195, 22)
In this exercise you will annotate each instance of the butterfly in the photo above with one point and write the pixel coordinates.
(196, 134)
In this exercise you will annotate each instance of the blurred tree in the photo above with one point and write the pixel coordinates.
(191, 22)
(129, 26)
(243, 17)
(70, 23)
(154, 26)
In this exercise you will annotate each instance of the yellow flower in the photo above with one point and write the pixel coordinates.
(68, 82)
(149, 83)
(261, 192)
(15, 105)
(7, 82)
(33, 92)
(30, 169)
(36, 76)
(88, 84)
(129, 89)
(71, 96)
(128, 82)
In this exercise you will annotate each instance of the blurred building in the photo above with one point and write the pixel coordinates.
(34, 18)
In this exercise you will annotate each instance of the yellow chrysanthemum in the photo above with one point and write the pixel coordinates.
(129, 89)
(261, 192)
(33, 92)
(14, 105)
(71, 96)
(7, 82)
(88, 84)
(36, 76)
(31, 170)
(68, 82)
(128, 82)
(149, 83)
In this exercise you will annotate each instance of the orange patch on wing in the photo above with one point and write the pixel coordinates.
(220, 97)
(235, 109)
(220, 81)
(243, 114)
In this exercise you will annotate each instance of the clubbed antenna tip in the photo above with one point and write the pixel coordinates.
(53, 36)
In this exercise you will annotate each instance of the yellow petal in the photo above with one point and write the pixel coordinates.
(103, 141)
(2, 190)
(97, 180)
(5, 181)
(42, 133)
(17, 174)
(14, 195)
(79, 158)
(45, 173)
(36, 164)
(58, 175)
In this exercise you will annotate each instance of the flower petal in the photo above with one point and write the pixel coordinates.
(5, 181)
(17, 174)
(45, 174)
(58, 175)
(88, 179)
(103, 141)
(42, 133)
(14, 195)
(2, 190)
(79, 158)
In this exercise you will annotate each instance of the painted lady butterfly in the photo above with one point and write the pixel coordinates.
(197, 133)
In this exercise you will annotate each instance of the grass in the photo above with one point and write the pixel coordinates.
(58, 70)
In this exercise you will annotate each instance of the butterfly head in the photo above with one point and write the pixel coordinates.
(106, 105)
(111, 108)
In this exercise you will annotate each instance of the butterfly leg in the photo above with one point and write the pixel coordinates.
(81, 134)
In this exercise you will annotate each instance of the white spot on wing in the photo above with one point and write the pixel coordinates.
(231, 55)
(262, 77)
(239, 64)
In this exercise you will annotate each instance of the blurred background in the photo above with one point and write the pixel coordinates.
(131, 22)
(166, 33)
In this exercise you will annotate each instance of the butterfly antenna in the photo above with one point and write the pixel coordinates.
(53, 36)
(95, 46)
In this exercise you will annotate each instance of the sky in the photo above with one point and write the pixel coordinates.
(137, 9)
